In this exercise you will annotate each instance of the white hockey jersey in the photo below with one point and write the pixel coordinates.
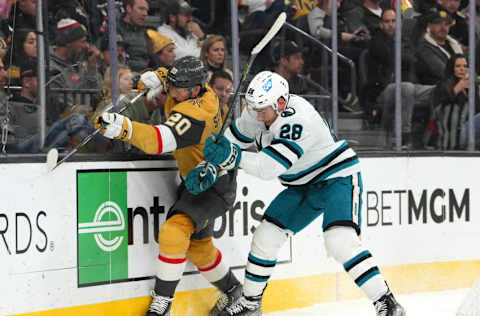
(299, 147)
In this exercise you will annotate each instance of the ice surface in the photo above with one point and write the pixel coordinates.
(443, 303)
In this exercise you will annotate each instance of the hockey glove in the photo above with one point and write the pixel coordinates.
(201, 178)
(222, 153)
(152, 80)
(114, 126)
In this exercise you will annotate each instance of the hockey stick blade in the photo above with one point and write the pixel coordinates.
(52, 158)
(281, 19)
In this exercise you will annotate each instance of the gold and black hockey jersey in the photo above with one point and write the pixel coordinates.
(191, 122)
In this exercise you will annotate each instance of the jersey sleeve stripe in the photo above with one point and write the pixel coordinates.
(329, 171)
(159, 138)
(278, 157)
(322, 163)
(297, 150)
(238, 135)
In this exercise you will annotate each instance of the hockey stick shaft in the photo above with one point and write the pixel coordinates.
(274, 29)
(89, 137)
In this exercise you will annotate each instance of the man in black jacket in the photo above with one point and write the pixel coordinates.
(382, 77)
(436, 48)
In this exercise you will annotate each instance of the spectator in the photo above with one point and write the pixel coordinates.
(23, 17)
(436, 48)
(105, 51)
(213, 54)
(141, 111)
(73, 65)
(131, 27)
(451, 103)
(25, 120)
(76, 10)
(317, 24)
(179, 26)
(261, 15)
(222, 83)
(381, 84)
(161, 50)
(459, 27)
(288, 61)
(367, 15)
(24, 50)
(351, 43)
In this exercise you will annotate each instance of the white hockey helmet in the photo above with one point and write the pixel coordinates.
(265, 89)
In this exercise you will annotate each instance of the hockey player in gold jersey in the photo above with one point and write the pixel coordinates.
(193, 113)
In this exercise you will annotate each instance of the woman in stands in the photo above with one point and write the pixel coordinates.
(141, 111)
(23, 52)
(213, 54)
(450, 100)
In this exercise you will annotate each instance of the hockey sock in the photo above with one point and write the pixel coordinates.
(266, 243)
(219, 275)
(345, 246)
(257, 273)
(363, 270)
(169, 272)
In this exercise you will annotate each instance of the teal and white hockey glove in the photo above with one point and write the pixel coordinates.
(201, 178)
(222, 153)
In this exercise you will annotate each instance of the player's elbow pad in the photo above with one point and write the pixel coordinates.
(145, 138)
(260, 165)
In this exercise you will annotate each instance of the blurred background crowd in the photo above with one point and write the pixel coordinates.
(154, 33)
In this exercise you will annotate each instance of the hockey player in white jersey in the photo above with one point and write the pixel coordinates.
(322, 176)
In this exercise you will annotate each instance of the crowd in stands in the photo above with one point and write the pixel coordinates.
(154, 33)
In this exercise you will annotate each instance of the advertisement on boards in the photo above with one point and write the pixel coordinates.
(120, 213)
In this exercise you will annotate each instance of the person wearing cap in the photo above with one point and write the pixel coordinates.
(288, 61)
(435, 48)
(179, 26)
(105, 51)
(73, 65)
(161, 50)
(131, 26)
(24, 119)
(459, 27)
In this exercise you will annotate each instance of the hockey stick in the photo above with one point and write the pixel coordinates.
(277, 25)
(274, 29)
(52, 155)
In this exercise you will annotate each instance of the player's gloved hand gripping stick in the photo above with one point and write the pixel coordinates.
(52, 155)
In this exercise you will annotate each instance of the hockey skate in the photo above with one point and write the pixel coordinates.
(160, 305)
(388, 306)
(226, 299)
(244, 306)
